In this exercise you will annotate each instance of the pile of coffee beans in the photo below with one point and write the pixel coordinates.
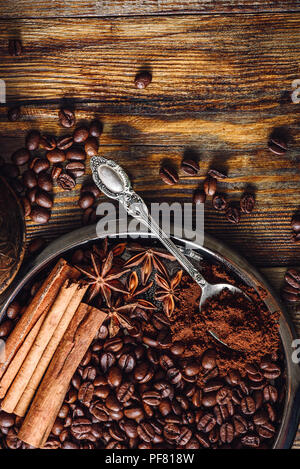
(295, 224)
(291, 287)
(62, 163)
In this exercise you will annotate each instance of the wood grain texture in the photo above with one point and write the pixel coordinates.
(80, 8)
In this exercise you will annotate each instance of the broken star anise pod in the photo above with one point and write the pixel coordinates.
(167, 291)
(141, 305)
(148, 259)
(116, 316)
(103, 277)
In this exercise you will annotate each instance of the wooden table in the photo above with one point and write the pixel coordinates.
(222, 82)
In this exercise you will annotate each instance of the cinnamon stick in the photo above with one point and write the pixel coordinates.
(51, 392)
(19, 358)
(40, 304)
(42, 339)
(38, 373)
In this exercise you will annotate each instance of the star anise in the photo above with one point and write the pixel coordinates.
(142, 305)
(167, 291)
(116, 316)
(148, 258)
(103, 277)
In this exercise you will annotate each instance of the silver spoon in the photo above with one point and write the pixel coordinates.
(112, 180)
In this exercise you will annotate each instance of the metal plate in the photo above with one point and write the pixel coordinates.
(216, 252)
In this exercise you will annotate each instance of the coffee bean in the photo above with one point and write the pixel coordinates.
(106, 361)
(29, 179)
(56, 156)
(80, 134)
(266, 430)
(44, 181)
(190, 167)
(33, 140)
(36, 245)
(209, 359)
(114, 377)
(43, 199)
(64, 142)
(295, 222)
(142, 80)
(76, 168)
(21, 157)
(248, 405)
(127, 362)
(76, 154)
(199, 197)
(66, 117)
(206, 423)
(277, 145)
(56, 171)
(113, 344)
(6, 327)
(168, 175)
(143, 372)
(96, 128)
(15, 47)
(226, 433)
(210, 186)
(40, 165)
(215, 173)
(219, 202)
(233, 214)
(209, 399)
(48, 142)
(66, 182)
(40, 215)
(192, 369)
(91, 146)
(26, 206)
(247, 203)
(85, 392)
(6, 420)
(86, 200)
(12, 312)
(240, 424)
(270, 393)
(14, 113)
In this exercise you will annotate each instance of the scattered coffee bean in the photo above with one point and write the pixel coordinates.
(142, 80)
(219, 202)
(96, 128)
(277, 145)
(76, 154)
(33, 140)
(40, 215)
(66, 117)
(39, 165)
(66, 182)
(56, 171)
(233, 214)
(56, 156)
(86, 200)
(210, 186)
(48, 142)
(15, 47)
(45, 182)
(295, 222)
(190, 167)
(65, 142)
(29, 179)
(91, 146)
(168, 175)
(247, 203)
(80, 134)
(199, 197)
(76, 168)
(43, 199)
(21, 157)
(215, 173)
(14, 113)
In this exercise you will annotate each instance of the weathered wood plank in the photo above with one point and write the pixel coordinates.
(80, 8)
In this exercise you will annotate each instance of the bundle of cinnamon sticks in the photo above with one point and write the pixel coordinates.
(44, 350)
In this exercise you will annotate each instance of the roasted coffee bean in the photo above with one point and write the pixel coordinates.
(266, 430)
(80, 134)
(247, 203)
(226, 433)
(113, 344)
(292, 277)
(66, 181)
(192, 369)
(6, 327)
(224, 395)
(127, 362)
(57, 427)
(85, 392)
(14, 113)
(29, 179)
(12, 312)
(270, 370)
(43, 199)
(151, 398)
(206, 423)
(106, 361)
(295, 222)
(56, 156)
(26, 206)
(64, 142)
(190, 167)
(45, 182)
(270, 393)
(66, 117)
(56, 172)
(143, 372)
(76, 168)
(135, 413)
(248, 406)
(39, 165)
(125, 392)
(233, 214)
(209, 359)
(40, 215)
(33, 140)
(91, 146)
(114, 377)
(277, 145)
(260, 417)
(48, 142)
(168, 175)
(76, 154)
(36, 245)
(219, 202)
(15, 47)
(98, 410)
(142, 80)
(174, 375)
(96, 128)
(240, 424)
(171, 431)
(215, 173)
(102, 391)
(165, 361)
(177, 348)
(80, 428)
(209, 399)
(210, 186)
(199, 197)
(21, 157)
(89, 373)
(86, 200)
(146, 432)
